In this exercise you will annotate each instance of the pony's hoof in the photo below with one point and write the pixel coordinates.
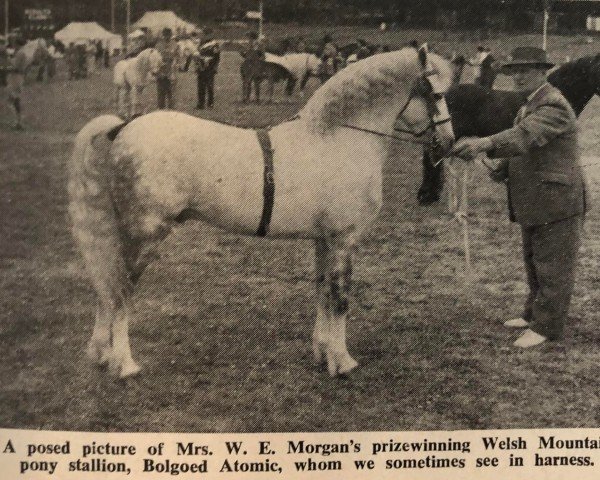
(319, 351)
(340, 363)
(99, 353)
(130, 369)
(123, 368)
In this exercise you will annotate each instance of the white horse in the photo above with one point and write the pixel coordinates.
(36, 55)
(187, 49)
(318, 177)
(130, 76)
(301, 66)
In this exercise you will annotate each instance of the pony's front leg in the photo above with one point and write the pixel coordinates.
(334, 291)
(257, 90)
(120, 98)
(135, 103)
(127, 102)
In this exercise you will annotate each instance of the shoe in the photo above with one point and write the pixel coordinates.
(516, 323)
(529, 339)
(199, 107)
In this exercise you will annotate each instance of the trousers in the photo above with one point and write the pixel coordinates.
(206, 89)
(165, 89)
(550, 256)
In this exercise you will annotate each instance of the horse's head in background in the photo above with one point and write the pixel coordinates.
(578, 80)
(150, 60)
(313, 64)
(154, 60)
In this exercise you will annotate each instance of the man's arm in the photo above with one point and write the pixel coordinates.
(535, 130)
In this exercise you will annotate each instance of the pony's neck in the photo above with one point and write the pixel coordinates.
(143, 64)
(383, 114)
(367, 94)
(576, 82)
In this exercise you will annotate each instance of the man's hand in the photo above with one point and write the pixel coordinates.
(469, 147)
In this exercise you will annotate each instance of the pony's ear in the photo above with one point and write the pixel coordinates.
(423, 54)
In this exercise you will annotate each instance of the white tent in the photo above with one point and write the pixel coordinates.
(157, 20)
(76, 32)
(136, 34)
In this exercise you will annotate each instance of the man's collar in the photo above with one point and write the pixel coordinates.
(533, 94)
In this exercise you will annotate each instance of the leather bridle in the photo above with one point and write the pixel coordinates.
(423, 89)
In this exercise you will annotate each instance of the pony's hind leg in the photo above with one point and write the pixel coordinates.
(321, 330)
(121, 362)
(271, 88)
(100, 347)
(109, 344)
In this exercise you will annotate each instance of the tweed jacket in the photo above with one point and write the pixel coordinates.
(545, 179)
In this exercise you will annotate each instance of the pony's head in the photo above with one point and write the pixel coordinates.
(578, 80)
(429, 93)
(374, 92)
(153, 60)
(313, 63)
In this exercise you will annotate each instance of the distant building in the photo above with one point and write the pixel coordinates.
(573, 14)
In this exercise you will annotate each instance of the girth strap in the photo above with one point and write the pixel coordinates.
(268, 184)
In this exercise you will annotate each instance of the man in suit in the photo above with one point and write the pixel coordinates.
(207, 62)
(546, 193)
(15, 80)
(165, 78)
(254, 57)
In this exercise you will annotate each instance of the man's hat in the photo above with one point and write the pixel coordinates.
(528, 56)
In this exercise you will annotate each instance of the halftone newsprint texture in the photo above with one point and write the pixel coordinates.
(194, 236)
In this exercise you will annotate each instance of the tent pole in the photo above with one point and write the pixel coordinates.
(260, 21)
(545, 33)
(112, 16)
(127, 22)
(6, 19)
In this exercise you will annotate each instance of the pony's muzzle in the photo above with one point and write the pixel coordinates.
(442, 141)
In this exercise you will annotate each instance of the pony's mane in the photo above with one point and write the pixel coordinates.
(365, 83)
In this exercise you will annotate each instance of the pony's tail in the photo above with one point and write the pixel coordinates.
(93, 215)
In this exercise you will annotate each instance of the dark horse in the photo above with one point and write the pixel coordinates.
(253, 72)
(477, 111)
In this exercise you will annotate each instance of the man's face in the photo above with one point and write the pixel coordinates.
(528, 78)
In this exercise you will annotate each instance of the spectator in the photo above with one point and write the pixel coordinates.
(207, 62)
(254, 55)
(15, 80)
(166, 77)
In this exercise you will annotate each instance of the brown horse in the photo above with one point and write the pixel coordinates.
(253, 72)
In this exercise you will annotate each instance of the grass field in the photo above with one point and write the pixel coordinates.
(224, 322)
